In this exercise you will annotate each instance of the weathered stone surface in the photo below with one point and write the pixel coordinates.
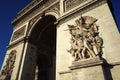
(65, 75)
(88, 73)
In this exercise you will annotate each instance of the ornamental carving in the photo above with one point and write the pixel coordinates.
(8, 67)
(17, 34)
(54, 8)
(69, 4)
(85, 39)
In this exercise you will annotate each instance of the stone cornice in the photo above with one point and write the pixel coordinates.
(86, 63)
(25, 10)
(16, 43)
(22, 40)
(30, 7)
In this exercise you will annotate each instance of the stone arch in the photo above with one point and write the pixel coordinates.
(48, 13)
(43, 36)
(53, 13)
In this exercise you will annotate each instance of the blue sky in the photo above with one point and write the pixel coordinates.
(116, 10)
(10, 8)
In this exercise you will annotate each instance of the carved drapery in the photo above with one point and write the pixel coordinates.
(8, 67)
(85, 39)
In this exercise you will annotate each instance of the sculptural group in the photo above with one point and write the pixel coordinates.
(85, 39)
(8, 67)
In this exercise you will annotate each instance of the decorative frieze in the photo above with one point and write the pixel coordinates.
(8, 67)
(19, 33)
(69, 4)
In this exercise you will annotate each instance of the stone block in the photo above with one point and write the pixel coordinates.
(90, 69)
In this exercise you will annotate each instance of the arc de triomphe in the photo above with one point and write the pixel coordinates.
(63, 40)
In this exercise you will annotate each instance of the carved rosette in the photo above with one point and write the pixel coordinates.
(8, 67)
(85, 39)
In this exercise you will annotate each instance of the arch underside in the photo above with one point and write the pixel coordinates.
(43, 36)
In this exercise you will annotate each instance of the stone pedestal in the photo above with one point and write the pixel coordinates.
(88, 69)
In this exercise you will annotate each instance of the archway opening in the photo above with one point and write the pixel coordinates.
(44, 36)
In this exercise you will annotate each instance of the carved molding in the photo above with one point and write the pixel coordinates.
(86, 63)
(85, 39)
(19, 33)
(32, 7)
(28, 8)
(8, 67)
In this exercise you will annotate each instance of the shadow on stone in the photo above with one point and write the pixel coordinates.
(107, 69)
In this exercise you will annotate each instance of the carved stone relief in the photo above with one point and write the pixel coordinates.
(55, 8)
(85, 39)
(17, 34)
(8, 67)
(69, 4)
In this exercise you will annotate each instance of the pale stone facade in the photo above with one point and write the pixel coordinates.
(43, 43)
